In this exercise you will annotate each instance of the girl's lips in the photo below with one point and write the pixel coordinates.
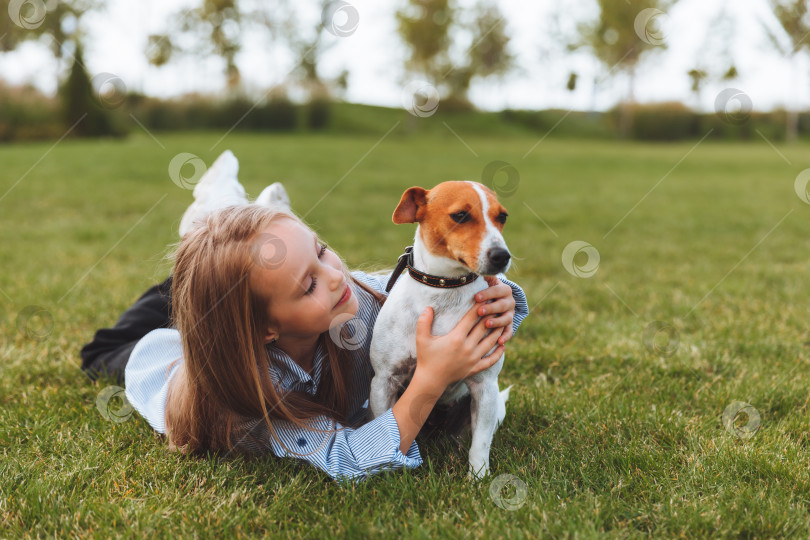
(345, 296)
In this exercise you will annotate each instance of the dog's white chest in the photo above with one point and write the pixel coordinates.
(449, 305)
(394, 334)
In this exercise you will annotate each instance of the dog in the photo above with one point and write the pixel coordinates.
(458, 241)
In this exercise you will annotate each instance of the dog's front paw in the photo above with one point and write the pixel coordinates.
(478, 471)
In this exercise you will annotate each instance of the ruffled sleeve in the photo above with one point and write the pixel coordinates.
(152, 363)
(341, 452)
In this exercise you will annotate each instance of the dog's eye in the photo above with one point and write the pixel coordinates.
(460, 217)
(502, 217)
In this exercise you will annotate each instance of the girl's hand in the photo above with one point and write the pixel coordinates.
(459, 354)
(502, 304)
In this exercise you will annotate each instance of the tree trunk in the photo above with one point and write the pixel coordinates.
(792, 121)
(626, 108)
(792, 116)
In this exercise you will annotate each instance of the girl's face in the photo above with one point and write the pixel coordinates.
(302, 281)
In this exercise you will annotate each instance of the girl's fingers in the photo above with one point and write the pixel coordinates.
(496, 290)
(500, 321)
(489, 360)
(468, 320)
(498, 306)
(424, 323)
(479, 330)
(508, 332)
(488, 342)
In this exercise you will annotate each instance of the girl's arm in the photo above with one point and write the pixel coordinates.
(440, 361)
(341, 452)
(387, 442)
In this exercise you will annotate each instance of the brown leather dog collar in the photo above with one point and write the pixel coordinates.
(406, 260)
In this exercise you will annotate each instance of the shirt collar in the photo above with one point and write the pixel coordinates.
(288, 375)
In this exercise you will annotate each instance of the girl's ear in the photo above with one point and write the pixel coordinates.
(271, 336)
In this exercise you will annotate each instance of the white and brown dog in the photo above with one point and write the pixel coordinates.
(458, 239)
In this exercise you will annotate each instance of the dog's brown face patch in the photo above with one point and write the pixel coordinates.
(453, 223)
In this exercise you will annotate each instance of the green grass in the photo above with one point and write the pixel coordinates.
(610, 438)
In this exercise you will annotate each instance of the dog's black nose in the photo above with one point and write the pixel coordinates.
(498, 256)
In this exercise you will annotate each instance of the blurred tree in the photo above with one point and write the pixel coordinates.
(159, 49)
(32, 20)
(731, 73)
(623, 31)
(794, 21)
(219, 26)
(697, 76)
(308, 46)
(489, 54)
(715, 56)
(81, 104)
(214, 27)
(425, 27)
(571, 85)
(57, 25)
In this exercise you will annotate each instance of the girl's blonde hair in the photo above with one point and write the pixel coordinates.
(222, 324)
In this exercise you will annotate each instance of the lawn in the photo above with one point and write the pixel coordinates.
(699, 305)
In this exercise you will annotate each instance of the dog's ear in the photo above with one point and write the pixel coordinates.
(411, 206)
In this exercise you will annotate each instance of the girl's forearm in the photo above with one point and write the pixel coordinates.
(414, 406)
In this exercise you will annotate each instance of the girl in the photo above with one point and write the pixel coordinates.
(262, 357)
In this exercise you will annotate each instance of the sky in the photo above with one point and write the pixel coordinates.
(697, 32)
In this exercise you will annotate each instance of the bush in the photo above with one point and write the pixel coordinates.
(278, 114)
(198, 112)
(671, 121)
(25, 113)
(319, 114)
(589, 124)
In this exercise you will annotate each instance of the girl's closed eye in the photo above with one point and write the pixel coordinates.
(314, 279)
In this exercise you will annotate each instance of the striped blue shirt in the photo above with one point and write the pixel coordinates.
(342, 451)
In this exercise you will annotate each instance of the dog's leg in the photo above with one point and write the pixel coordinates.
(485, 409)
(382, 394)
(388, 383)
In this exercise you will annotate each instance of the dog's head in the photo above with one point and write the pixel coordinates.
(459, 220)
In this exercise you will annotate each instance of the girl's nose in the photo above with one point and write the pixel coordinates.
(336, 278)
